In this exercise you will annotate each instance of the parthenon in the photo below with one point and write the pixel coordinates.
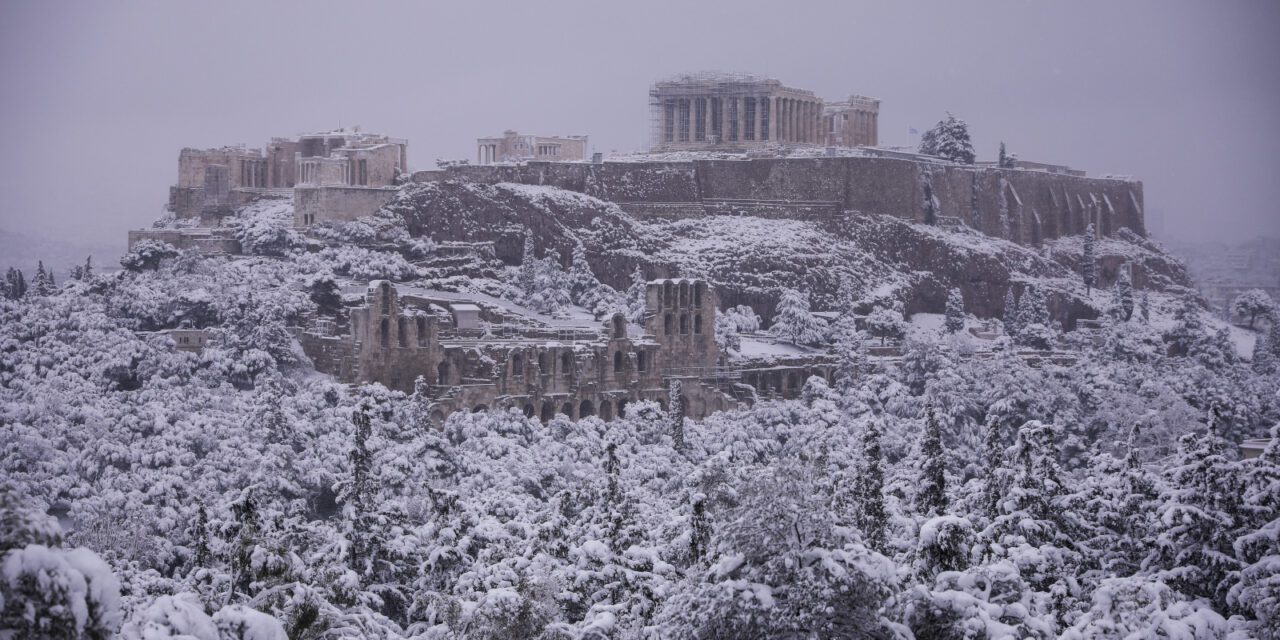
(712, 110)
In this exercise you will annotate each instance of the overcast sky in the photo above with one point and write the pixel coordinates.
(98, 97)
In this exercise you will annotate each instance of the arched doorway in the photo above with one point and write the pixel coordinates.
(528, 410)
(622, 408)
(442, 372)
(586, 408)
(567, 409)
(548, 411)
(606, 410)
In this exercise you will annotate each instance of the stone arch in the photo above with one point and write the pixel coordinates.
(617, 362)
(619, 326)
(606, 410)
(402, 331)
(697, 324)
(566, 364)
(586, 408)
(698, 290)
(684, 294)
(480, 408)
(544, 363)
(642, 362)
(548, 410)
(422, 331)
(528, 410)
(622, 407)
(567, 409)
(667, 324)
(384, 333)
(442, 372)
(517, 365)
(684, 324)
(668, 294)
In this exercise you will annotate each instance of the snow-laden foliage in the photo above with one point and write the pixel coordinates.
(948, 139)
(943, 493)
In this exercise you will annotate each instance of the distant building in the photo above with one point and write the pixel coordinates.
(514, 147)
(852, 123)
(334, 175)
(733, 111)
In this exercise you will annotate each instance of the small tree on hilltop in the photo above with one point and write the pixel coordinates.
(948, 139)
(1088, 263)
(1006, 160)
(793, 322)
(1251, 304)
(955, 311)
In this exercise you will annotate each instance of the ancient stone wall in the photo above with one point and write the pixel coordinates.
(317, 204)
(202, 240)
(1024, 206)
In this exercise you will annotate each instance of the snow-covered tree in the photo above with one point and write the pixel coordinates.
(676, 410)
(42, 283)
(1253, 303)
(1006, 160)
(954, 311)
(931, 493)
(1089, 260)
(15, 284)
(1122, 304)
(636, 296)
(948, 139)
(885, 323)
(727, 337)
(1011, 317)
(1144, 307)
(582, 281)
(1263, 359)
(793, 322)
(871, 516)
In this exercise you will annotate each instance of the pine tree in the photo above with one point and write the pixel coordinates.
(1123, 302)
(1089, 261)
(201, 557)
(87, 271)
(872, 518)
(1187, 336)
(41, 284)
(793, 322)
(931, 499)
(675, 403)
(613, 494)
(246, 538)
(955, 311)
(1253, 303)
(16, 288)
(636, 294)
(528, 265)
(1005, 161)
(949, 139)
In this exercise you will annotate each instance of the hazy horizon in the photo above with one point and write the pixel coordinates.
(100, 98)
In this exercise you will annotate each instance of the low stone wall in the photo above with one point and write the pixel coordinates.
(343, 204)
(202, 240)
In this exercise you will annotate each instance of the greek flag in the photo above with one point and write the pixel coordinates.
(912, 131)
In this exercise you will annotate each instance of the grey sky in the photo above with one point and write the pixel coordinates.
(98, 97)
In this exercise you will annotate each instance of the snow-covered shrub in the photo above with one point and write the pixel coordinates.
(266, 228)
(793, 322)
(147, 255)
(1138, 607)
(886, 323)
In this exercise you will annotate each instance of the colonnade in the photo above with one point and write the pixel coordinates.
(733, 119)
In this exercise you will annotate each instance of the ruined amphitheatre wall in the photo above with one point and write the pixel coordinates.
(1021, 205)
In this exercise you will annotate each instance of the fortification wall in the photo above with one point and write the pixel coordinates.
(1025, 206)
(318, 204)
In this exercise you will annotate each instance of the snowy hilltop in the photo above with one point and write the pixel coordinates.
(1014, 442)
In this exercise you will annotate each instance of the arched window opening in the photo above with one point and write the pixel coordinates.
(619, 327)
(617, 362)
(684, 323)
(402, 332)
(642, 363)
(666, 324)
(566, 365)
(517, 366)
(697, 294)
(528, 410)
(668, 294)
(385, 335)
(684, 294)
(567, 409)
(548, 411)
(422, 331)
(586, 408)
(442, 373)
(544, 363)
(606, 411)
(697, 323)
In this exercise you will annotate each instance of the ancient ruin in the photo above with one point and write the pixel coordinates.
(515, 147)
(478, 353)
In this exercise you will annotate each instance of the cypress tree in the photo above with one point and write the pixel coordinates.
(1012, 321)
(932, 497)
(675, 400)
(700, 529)
(955, 311)
(993, 449)
(872, 516)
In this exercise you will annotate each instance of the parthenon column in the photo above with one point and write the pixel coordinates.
(773, 118)
(759, 113)
(706, 119)
(808, 122)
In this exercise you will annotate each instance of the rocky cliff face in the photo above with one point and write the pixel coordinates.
(749, 259)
